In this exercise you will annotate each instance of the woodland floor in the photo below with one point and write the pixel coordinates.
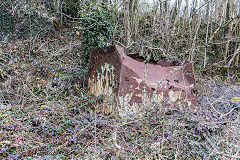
(44, 112)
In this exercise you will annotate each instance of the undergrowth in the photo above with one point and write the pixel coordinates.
(46, 114)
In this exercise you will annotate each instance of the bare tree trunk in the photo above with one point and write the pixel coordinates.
(206, 42)
(237, 52)
(179, 4)
(195, 38)
(228, 43)
(160, 8)
(220, 11)
(174, 11)
(230, 28)
(127, 22)
(134, 18)
(231, 32)
(186, 12)
(58, 9)
(155, 8)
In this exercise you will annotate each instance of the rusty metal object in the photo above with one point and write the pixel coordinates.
(130, 87)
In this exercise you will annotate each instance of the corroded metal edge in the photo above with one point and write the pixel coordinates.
(130, 87)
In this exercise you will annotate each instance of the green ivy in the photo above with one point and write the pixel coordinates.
(97, 22)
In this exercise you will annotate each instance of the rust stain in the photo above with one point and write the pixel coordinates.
(130, 86)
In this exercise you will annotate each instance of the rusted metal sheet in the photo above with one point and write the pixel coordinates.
(130, 87)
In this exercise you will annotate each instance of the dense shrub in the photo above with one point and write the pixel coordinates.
(24, 19)
(96, 25)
